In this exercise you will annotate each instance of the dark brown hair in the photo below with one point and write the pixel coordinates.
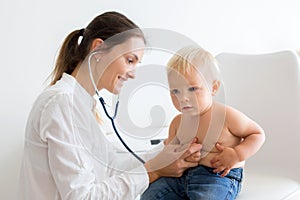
(103, 26)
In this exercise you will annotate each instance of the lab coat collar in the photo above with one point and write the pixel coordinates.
(79, 90)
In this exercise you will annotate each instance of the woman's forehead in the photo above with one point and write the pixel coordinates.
(134, 44)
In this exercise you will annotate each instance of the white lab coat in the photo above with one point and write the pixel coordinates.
(66, 156)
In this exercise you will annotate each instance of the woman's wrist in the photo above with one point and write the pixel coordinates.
(153, 176)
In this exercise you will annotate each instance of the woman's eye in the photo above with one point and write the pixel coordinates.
(130, 61)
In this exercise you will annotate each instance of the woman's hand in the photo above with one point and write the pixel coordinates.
(173, 160)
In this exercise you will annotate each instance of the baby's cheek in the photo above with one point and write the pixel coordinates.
(176, 103)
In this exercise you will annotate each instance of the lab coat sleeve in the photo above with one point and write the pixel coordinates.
(72, 167)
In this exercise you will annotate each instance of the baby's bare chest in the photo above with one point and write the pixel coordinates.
(208, 138)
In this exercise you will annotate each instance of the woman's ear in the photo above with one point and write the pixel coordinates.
(215, 87)
(96, 43)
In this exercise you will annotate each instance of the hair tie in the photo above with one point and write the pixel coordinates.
(81, 31)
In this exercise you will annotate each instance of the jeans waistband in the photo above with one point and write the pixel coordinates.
(235, 173)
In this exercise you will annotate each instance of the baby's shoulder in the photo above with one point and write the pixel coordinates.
(176, 120)
(229, 110)
(229, 113)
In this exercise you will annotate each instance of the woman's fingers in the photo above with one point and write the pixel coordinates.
(191, 156)
(195, 157)
(193, 148)
(175, 159)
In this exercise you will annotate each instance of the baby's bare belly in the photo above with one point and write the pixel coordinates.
(208, 156)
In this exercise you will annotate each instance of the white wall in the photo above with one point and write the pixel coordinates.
(31, 32)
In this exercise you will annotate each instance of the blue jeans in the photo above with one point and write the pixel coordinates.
(197, 183)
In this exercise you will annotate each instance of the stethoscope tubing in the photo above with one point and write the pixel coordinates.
(116, 130)
(106, 113)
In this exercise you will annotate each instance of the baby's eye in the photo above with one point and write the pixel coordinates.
(174, 91)
(193, 89)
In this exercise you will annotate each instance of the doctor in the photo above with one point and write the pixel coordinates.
(66, 155)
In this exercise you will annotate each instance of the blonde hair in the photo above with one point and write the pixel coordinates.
(194, 58)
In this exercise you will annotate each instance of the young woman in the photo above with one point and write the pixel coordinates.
(66, 155)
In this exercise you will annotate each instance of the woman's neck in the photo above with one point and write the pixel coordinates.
(83, 78)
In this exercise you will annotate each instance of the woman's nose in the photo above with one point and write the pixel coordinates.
(131, 74)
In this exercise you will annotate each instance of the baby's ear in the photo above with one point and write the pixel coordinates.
(215, 87)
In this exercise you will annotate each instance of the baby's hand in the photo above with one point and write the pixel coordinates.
(225, 160)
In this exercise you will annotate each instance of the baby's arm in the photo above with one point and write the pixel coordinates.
(172, 131)
(251, 134)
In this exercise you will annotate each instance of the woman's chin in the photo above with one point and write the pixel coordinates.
(116, 90)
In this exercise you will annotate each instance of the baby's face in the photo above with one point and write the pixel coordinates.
(190, 93)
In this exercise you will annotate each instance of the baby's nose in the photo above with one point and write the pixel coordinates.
(184, 98)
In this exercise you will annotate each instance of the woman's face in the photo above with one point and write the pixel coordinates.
(121, 64)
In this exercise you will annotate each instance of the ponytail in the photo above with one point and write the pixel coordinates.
(69, 56)
(104, 26)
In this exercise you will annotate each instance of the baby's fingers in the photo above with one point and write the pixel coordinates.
(219, 169)
(215, 162)
(225, 172)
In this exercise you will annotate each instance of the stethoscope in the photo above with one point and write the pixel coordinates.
(111, 118)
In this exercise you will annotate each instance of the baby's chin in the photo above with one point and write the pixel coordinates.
(191, 114)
